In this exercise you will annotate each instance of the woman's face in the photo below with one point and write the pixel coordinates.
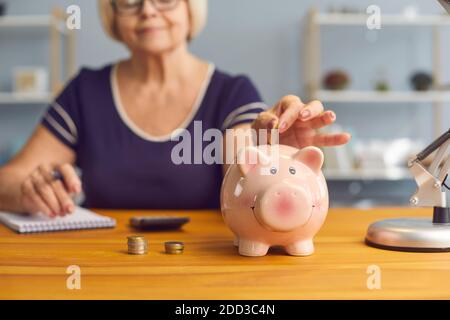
(152, 31)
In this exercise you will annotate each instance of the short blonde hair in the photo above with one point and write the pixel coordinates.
(198, 10)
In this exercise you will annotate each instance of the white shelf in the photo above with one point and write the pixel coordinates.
(31, 21)
(381, 97)
(15, 98)
(392, 174)
(352, 19)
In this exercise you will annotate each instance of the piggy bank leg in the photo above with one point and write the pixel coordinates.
(300, 248)
(252, 248)
(236, 242)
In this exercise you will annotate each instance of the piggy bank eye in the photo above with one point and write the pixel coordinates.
(291, 170)
(273, 170)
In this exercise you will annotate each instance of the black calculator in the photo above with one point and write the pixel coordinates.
(158, 222)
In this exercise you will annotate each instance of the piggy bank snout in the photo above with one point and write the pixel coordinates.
(283, 207)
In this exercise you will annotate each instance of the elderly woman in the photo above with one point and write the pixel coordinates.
(115, 123)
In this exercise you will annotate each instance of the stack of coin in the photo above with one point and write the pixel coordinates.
(174, 247)
(137, 245)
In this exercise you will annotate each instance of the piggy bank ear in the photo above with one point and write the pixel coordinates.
(250, 157)
(310, 156)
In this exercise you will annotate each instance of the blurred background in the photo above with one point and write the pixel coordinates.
(390, 87)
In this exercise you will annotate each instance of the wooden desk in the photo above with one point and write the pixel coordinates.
(34, 266)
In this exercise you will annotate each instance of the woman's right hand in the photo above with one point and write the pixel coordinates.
(41, 192)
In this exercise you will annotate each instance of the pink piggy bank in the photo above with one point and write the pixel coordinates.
(275, 195)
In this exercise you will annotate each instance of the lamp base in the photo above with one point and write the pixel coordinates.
(409, 234)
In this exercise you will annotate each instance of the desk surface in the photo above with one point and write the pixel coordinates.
(34, 266)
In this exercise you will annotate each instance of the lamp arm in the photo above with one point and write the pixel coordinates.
(433, 146)
(445, 4)
(430, 182)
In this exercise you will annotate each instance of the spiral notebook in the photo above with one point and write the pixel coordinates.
(80, 219)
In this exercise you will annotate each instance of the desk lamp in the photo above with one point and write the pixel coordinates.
(421, 234)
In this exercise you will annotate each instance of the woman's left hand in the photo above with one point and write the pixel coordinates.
(298, 123)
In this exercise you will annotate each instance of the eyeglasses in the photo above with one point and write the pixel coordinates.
(134, 7)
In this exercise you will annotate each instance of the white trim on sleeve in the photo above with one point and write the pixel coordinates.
(236, 115)
(66, 134)
(67, 119)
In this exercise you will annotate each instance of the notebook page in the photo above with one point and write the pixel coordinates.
(80, 219)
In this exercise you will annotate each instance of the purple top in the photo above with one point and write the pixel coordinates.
(123, 166)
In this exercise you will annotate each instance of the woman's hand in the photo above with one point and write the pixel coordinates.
(41, 192)
(298, 123)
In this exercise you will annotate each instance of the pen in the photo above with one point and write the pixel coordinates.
(57, 175)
